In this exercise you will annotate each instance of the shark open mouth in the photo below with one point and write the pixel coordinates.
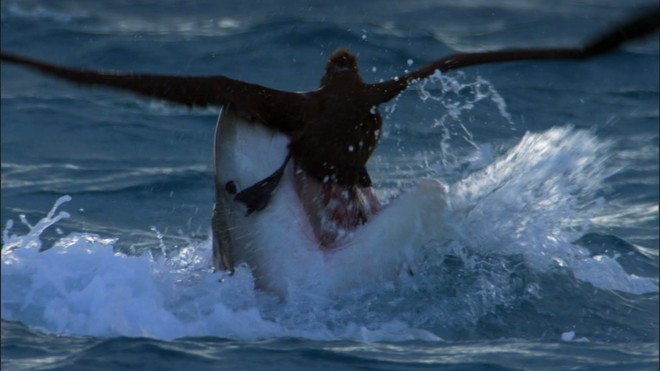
(309, 221)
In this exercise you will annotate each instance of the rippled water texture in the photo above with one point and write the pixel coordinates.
(545, 257)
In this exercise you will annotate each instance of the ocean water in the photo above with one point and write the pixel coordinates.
(551, 256)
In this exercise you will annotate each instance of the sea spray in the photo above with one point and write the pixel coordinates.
(509, 227)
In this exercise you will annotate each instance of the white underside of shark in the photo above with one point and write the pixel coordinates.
(278, 243)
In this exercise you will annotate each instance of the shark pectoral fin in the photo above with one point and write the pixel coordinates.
(257, 197)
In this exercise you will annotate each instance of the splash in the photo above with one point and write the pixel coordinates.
(31, 240)
(459, 95)
(515, 218)
(81, 285)
(536, 200)
(537, 191)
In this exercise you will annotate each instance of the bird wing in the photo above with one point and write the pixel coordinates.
(274, 108)
(634, 28)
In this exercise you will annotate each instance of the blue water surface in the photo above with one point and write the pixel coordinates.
(558, 162)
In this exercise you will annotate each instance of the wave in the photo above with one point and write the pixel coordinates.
(510, 231)
(73, 178)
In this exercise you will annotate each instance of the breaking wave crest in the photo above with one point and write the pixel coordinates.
(511, 225)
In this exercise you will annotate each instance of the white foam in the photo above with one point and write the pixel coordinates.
(606, 273)
(570, 336)
(538, 198)
(82, 286)
(533, 200)
(531, 203)
(526, 203)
